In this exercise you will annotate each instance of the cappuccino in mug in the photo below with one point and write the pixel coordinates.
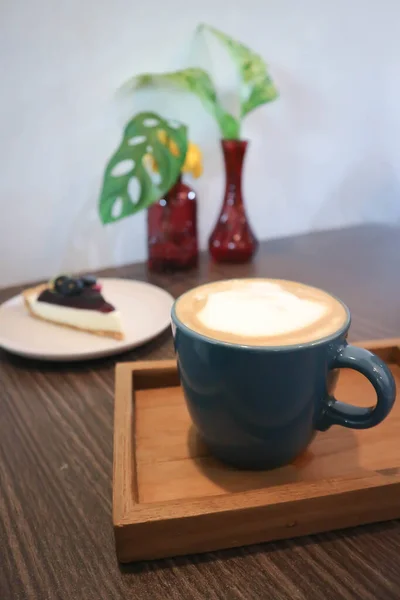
(258, 361)
(261, 312)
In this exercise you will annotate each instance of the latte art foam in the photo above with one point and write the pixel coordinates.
(259, 309)
(261, 312)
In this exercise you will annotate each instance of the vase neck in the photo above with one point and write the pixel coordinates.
(173, 191)
(234, 151)
(177, 184)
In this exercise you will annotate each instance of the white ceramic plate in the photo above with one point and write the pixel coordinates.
(145, 310)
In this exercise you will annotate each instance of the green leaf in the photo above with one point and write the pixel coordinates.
(257, 87)
(198, 82)
(127, 168)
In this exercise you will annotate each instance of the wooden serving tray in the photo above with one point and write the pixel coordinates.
(171, 497)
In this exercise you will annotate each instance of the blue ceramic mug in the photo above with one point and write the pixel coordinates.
(258, 407)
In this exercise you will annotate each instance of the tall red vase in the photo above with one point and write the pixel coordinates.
(172, 230)
(233, 239)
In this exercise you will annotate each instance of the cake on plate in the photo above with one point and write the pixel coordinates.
(75, 302)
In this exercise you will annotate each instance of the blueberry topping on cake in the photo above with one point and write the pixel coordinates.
(59, 281)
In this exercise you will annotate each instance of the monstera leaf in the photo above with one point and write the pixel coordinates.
(257, 87)
(198, 82)
(129, 185)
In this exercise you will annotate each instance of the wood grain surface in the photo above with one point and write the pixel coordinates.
(56, 441)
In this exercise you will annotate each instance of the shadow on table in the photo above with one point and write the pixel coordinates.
(162, 341)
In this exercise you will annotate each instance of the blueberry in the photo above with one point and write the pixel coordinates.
(71, 286)
(88, 280)
(59, 281)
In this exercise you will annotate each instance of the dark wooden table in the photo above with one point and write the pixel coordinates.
(56, 429)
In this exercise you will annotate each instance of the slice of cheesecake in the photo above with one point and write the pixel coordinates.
(75, 302)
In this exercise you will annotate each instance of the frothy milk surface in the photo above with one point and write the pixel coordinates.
(261, 312)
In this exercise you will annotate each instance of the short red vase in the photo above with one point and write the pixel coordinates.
(233, 239)
(172, 230)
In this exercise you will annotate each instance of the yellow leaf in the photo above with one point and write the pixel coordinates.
(197, 170)
(193, 161)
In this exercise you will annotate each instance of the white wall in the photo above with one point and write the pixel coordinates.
(326, 154)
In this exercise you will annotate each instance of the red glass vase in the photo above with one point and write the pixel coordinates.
(233, 239)
(172, 230)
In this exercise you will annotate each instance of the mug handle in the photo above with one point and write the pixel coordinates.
(378, 373)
